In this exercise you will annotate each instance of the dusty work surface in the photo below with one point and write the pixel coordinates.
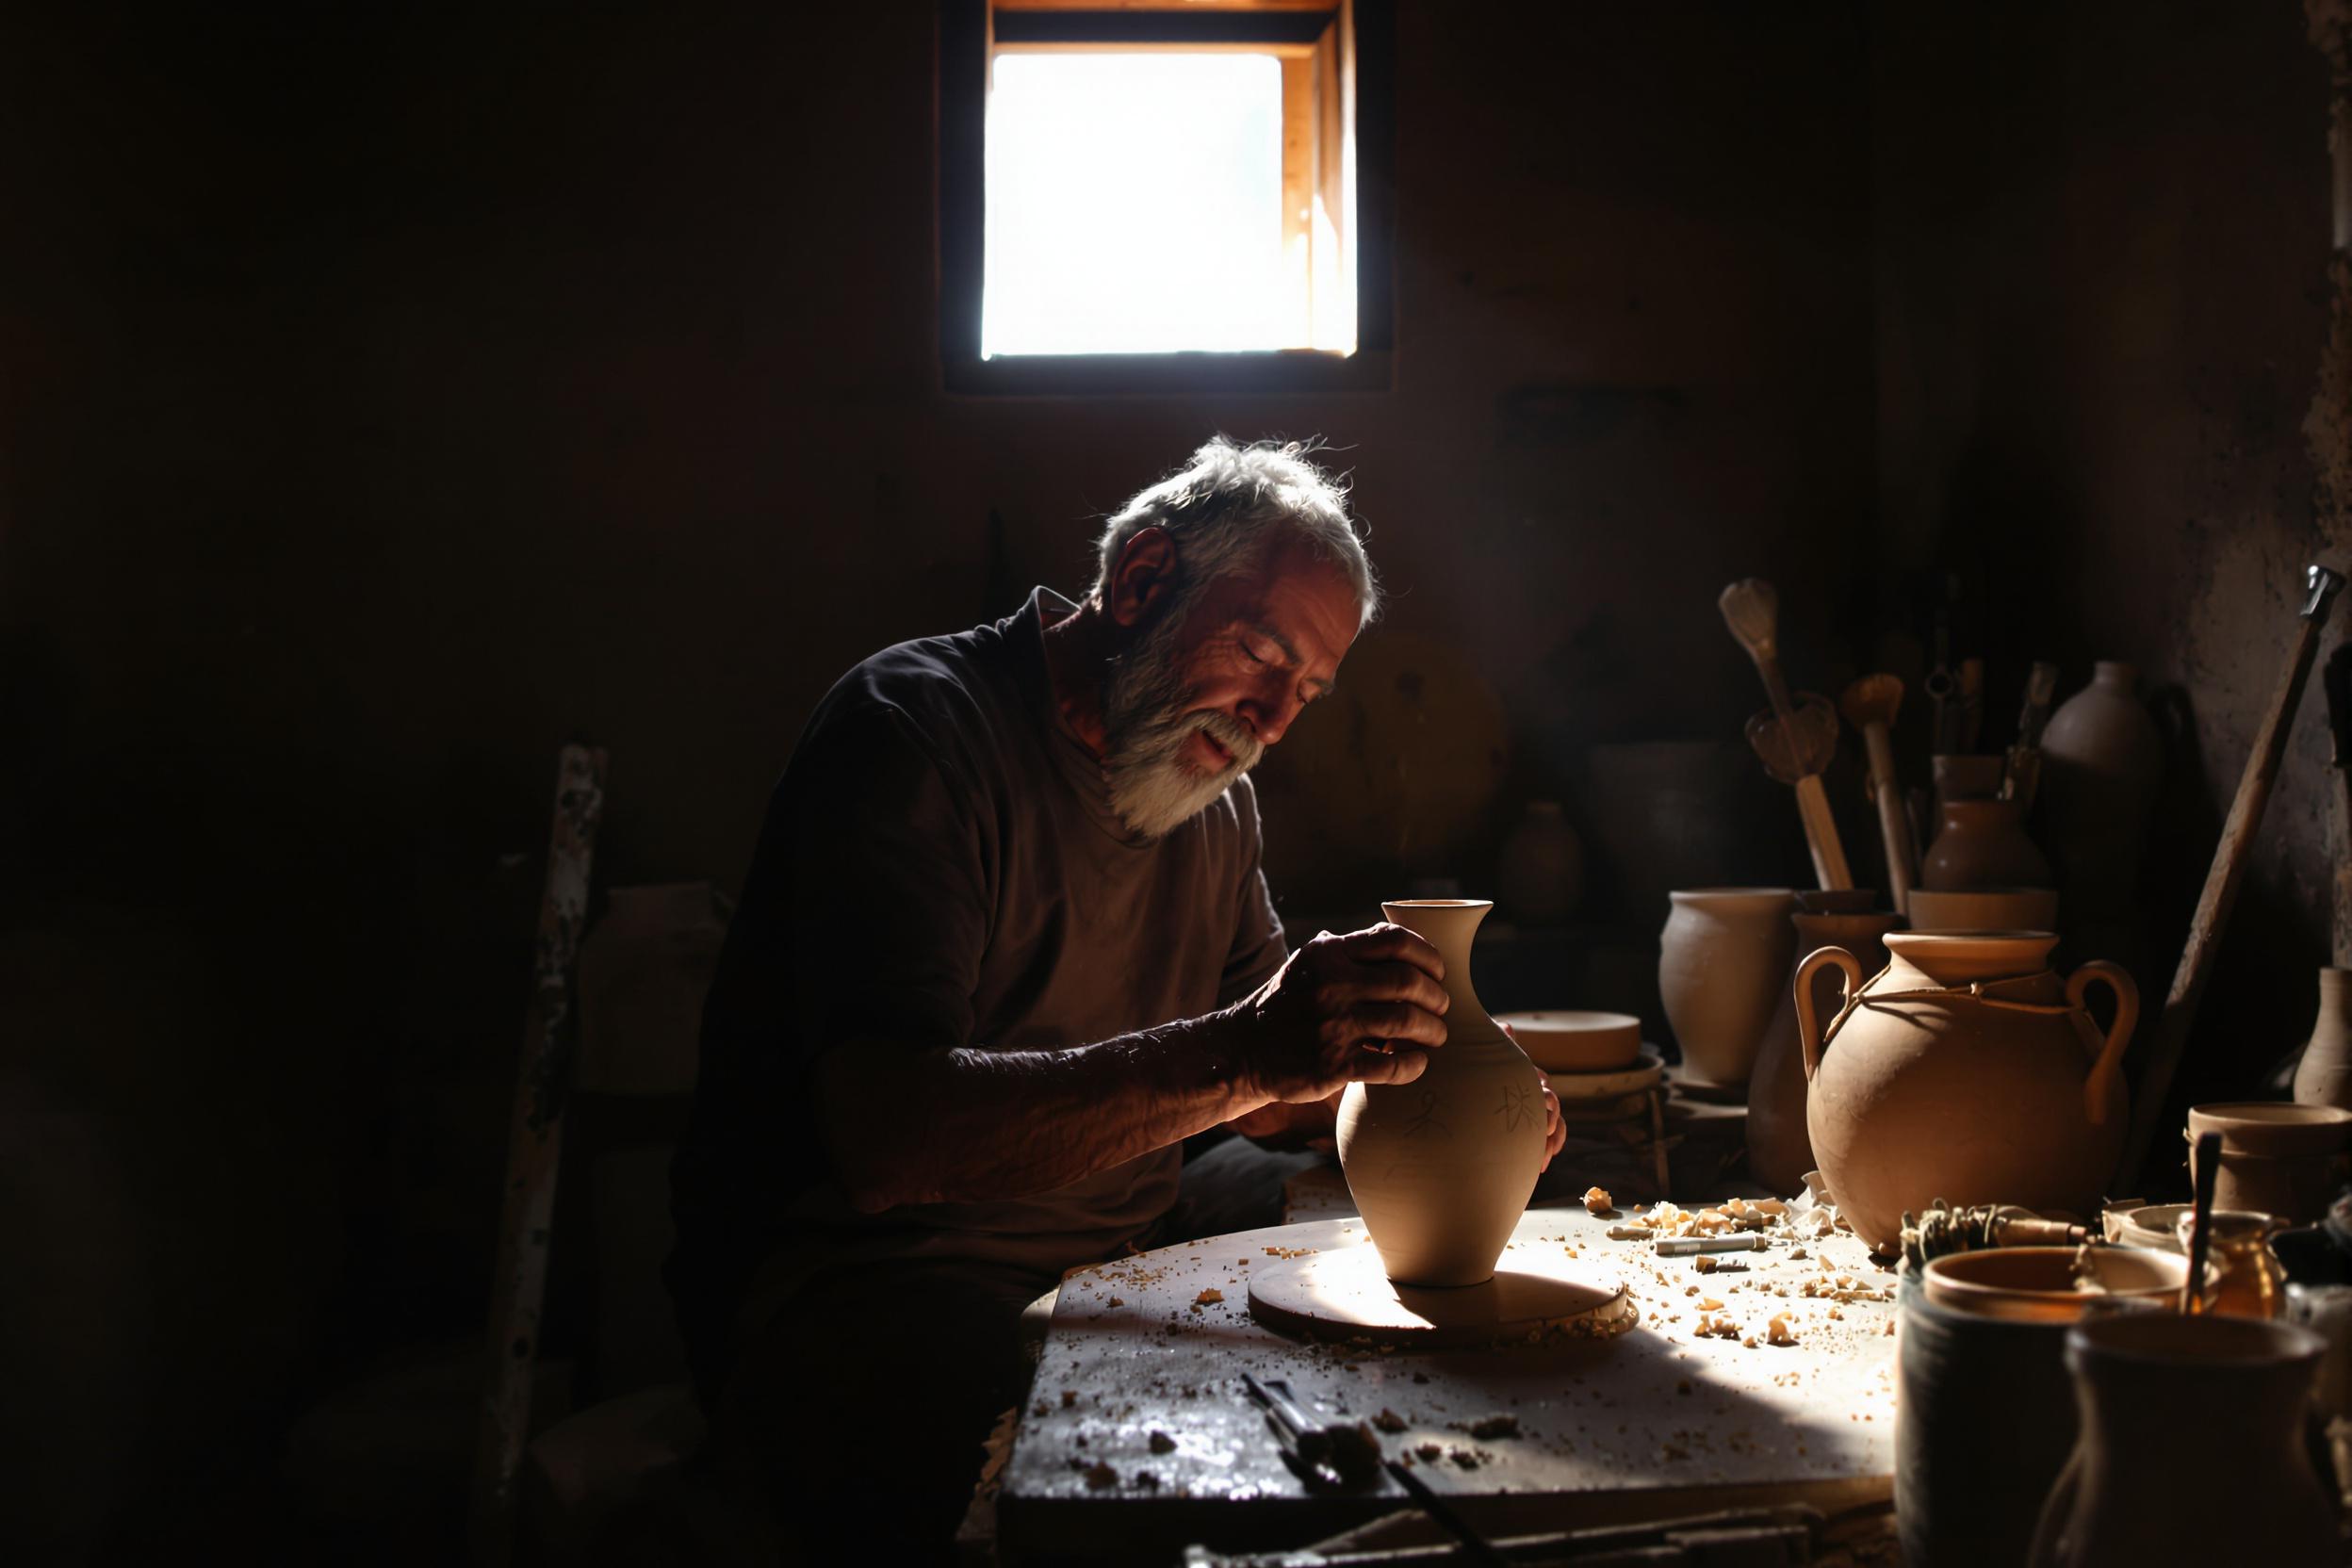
(1139, 1438)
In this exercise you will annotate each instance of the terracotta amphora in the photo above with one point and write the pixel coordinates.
(2324, 1076)
(1721, 963)
(1982, 843)
(1966, 1071)
(1442, 1167)
(1780, 1149)
(2211, 1408)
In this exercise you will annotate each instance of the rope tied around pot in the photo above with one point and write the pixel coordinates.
(1975, 990)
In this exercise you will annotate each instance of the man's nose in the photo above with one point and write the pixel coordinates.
(1269, 718)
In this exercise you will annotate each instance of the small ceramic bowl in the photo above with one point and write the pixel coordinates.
(1986, 909)
(2151, 1226)
(2038, 1283)
(1570, 1041)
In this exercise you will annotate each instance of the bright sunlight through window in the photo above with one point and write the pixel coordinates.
(1135, 206)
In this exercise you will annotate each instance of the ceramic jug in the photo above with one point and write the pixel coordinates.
(1780, 1149)
(1721, 962)
(2102, 762)
(1982, 844)
(2324, 1076)
(1966, 1070)
(2215, 1404)
(1442, 1167)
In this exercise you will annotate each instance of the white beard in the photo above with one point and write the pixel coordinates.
(1148, 723)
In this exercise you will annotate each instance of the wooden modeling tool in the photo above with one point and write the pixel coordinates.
(2221, 881)
(2021, 778)
(2204, 1171)
(2336, 681)
(1870, 705)
(1751, 609)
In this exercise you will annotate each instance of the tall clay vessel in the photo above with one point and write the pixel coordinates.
(1442, 1167)
(1968, 1070)
(2324, 1076)
(1719, 966)
(1780, 1148)
(1979, 845)
(2226, 1396)
(2102, 762)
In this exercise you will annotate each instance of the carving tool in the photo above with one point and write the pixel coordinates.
(2221, 882)
(1324, 1456)
(1751, 609)
(2204, 1170)
(1870, 705)
(2022, 776)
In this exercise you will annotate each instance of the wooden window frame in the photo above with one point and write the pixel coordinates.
(1346, 43)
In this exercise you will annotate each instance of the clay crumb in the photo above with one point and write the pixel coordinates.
(1163, 1444)
(1706, 1264)
(1100, 1476)
(1597, 1200)
(1495, 1425)
(1464, 1458)
(1430, 1452)
(1208, 1297)
(1069, 1397)
(1389, 1421)
(1117, 1302)
(1779, 1332)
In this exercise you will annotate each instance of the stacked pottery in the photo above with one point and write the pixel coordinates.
(2218, 1401)
(2276, 1159)
(1719, 966)
(1442, 1167)
(2102, 761)
(1780, 1149)
(1969, 1071)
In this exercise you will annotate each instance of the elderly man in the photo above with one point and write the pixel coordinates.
(1004, 946)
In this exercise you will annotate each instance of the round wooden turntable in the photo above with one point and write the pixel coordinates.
(1538, 1292)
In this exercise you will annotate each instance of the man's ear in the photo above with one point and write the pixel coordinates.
(1145, 575)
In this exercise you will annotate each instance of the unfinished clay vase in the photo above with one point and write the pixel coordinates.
(1966, 1071)
(2215, 1402)
(1982, 844)
(1442, 1167)
(2102, 762)
(1780, 1149)
(1720, 965)
(2324, 1076)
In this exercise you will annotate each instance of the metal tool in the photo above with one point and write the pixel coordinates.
(1870, 705)
(2221, 882)
(1751, 609)
(1335, 1457)
(1691, 1247)
(2021, 778)
(1473, 1545)
(1942, 1230)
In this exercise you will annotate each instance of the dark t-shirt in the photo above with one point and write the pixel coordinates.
(940, 866)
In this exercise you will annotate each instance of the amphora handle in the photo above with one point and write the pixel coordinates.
(2118, 1035)
(1809, 1026)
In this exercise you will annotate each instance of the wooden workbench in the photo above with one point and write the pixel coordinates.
(1139, 1439)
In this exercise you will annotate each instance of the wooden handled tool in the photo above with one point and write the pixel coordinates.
(1870, 705)
(1752, 610)
(2222, 879)
(2022, 777)
(2336, 681)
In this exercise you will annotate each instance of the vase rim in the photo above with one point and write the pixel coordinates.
(1437, 904)
(1688, 895)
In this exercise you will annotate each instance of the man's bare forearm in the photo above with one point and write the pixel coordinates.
(964, 1126)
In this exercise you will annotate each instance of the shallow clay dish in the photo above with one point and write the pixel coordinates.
(1571, 1041)
(2037, 1283)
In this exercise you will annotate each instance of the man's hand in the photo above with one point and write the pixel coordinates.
(1360, 1008)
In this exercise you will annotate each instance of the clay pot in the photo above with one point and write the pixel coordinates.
(1572, 1042)
(1442, 1167)
(1987, 909)
(1966, 1071)
(2102, 762)
(2217, 1400)
(1982, 845)
(1967, 777)
(2276, 1159)
(2324, 1076)
(1964, 1499)
(1541, 877)
(1719, 966)
(1780, 1149)
(2048, 1284)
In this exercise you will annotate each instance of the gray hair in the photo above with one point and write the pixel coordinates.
(1221, 508)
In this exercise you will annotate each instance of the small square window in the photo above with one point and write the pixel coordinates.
(1143, 200)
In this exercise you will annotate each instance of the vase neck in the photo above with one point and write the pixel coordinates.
(1449, 926)
(2115, 672)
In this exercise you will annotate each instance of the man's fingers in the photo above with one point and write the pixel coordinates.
(1393, 944)
(1393, 1020)
(1398, 981)
(1403, 1066)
